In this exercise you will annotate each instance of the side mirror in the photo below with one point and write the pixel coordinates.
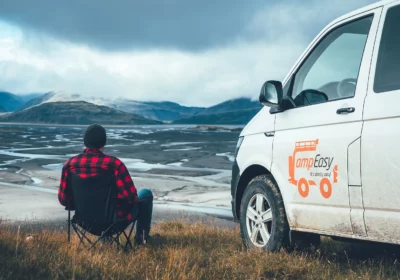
(271, 93)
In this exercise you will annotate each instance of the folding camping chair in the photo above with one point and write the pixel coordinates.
(95, 213)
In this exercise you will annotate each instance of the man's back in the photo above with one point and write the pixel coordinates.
(90, 163)
(93, 162)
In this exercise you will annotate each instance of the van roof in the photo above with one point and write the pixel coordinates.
(339, 19)
(359, 11)
(366, 8)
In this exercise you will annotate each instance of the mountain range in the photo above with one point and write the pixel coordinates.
(10, 102)
(75, 112)
(163, 111)
(66, 108)
(235, 111)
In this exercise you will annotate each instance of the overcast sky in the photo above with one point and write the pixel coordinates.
(190, 52)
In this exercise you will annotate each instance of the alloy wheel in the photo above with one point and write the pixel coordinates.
(259, 220)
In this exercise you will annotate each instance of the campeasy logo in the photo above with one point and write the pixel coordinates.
(316, 166)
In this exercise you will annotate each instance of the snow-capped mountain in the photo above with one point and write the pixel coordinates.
(74, 112)
(235, 111)
(62, 96)
(162, 111)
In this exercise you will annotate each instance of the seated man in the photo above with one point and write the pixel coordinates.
(90, 162)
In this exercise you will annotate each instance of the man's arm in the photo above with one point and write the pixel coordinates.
(126, 189)
(64, 195)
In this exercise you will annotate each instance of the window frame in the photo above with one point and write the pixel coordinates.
(378, 44)
(311, 50)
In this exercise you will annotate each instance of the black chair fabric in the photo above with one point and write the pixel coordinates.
(94, 201)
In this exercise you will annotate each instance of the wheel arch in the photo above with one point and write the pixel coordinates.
(248, 174)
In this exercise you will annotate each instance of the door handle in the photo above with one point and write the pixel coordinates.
(269, 134)
(347, 110)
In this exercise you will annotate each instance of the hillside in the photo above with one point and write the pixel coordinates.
(37, 100)
(235, 111)
(232, 105)
(162, 111)
(10, 102)
(234, 117)
(75, 112)
(28, 97)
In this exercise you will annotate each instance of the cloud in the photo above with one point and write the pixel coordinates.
(174, 24)
(190, 78)
(265, 48)
(126, 24)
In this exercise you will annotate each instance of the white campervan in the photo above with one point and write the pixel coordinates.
(323, 155)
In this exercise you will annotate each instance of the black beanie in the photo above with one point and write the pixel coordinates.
(95, 137)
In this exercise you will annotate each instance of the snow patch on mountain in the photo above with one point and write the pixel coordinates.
(62, 96)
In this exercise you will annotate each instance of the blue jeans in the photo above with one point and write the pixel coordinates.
(143, 212)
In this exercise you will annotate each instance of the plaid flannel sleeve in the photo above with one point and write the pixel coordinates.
(63, 194)
(126, 189)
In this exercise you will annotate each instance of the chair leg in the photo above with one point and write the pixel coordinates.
(130, 232)
(116, 240)
(78, 233)
(94, 244)
(128, 237)
(102, 235)
(128, 242)
(82, 236)
(69, 226)
(81, 232)
(87, 239)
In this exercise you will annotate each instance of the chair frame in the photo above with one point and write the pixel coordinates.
(109, 233)
(81, 233)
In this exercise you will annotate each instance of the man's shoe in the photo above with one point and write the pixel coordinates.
(150, 239)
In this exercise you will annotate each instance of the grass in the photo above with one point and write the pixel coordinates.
(187, 251)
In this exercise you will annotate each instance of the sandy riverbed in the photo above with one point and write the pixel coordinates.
(184, 166)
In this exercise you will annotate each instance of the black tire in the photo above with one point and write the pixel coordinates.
(279, 228)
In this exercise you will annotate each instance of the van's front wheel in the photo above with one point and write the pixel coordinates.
(263, 222)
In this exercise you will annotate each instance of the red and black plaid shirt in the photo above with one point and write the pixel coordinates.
(89, 163)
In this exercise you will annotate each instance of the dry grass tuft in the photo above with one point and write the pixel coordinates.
(188, 251)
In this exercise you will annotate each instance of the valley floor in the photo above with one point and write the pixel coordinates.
(186, 167)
